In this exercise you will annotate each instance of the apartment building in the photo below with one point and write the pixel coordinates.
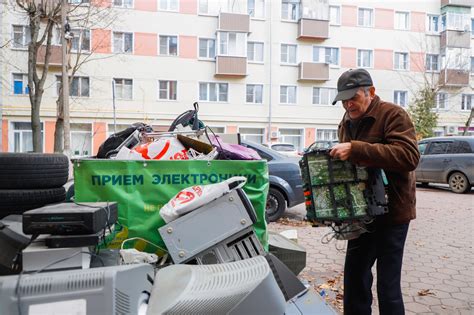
(263, 68)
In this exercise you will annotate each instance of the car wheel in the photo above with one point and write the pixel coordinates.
(458, 183)
(276, 205)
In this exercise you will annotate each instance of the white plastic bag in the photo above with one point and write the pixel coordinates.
(165, 148)
(194, 197)
(127, 154)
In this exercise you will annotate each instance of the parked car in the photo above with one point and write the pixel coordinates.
(287, 149)
(321, 144)
(447, 160)
(286, 185)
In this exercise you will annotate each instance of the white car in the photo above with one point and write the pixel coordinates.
(287, 149)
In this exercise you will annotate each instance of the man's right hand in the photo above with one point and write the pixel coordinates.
(341, 151)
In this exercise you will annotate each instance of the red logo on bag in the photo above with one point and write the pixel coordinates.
(184, 197)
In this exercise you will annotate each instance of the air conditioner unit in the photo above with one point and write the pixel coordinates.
(275, 134)
(451, 130)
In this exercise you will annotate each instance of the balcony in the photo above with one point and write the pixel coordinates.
(234, 22)
(54, 61)
(460, 3)
(458, 39)
(454, 77)
(231, 66)
(312, 29)
(311, 71)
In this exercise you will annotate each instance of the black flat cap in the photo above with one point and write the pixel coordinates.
(349, 83)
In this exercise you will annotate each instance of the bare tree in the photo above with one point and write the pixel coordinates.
(81, 18)
(431, 81)
(42, 16)
(44, 19)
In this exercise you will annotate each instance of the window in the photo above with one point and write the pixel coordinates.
(79, 87)
(364, 58)
(217, 129)
(472, 65)
(252, 134)
(21, 36)
(461, 147)
(79, 1)
(123, 89)
(455, 21)
(255, 51)
(123, 3)
(20, 84)
(365, 17)
(439, 147)
(334, 15)
(328, 55)
(167, 90)
(288, 54)
(81, 139)
(433, 24)
(402, 20)
(456, 58)
(323, 96)
(254, 93)
(213, 92)
(400, 98)
(472, 27)
(207, 48)
(432, 63)
(401, 61)
(256, 8)
(441, 101)
(168, 45)
(293, 136)
(168, 5)
(204, 6)
(467, 101)
(23, 137)
(118, 127)
(123, 42)
(326, 134)
(212, 7)
(290, 10)
(287, 94)
(83, 37)
(232, 44)
(422, 147)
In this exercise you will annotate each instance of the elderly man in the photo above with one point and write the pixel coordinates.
(377, 134)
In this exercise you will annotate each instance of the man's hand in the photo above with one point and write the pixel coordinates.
(341, 151)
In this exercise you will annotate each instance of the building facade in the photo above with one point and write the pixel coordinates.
(266, 69)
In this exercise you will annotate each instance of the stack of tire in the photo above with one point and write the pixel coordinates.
(31, 180)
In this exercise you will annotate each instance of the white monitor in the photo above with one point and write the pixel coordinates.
(107, 290)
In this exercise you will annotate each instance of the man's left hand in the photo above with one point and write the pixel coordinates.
(341, 151)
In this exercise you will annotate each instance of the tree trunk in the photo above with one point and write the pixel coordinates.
(36, 127)
(59, 127)
(468, 122)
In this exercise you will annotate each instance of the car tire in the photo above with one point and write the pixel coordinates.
(459, 183)
(33, 170)
(275, 206)
(19, 200)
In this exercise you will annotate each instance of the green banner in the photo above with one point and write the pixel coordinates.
(141, 188)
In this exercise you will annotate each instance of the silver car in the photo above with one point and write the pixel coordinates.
(447, 160)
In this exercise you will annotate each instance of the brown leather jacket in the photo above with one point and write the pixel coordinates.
(385, 138)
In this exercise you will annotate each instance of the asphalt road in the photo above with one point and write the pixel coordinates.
(438, 272)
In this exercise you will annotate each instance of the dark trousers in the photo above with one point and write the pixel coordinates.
(384, 244)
